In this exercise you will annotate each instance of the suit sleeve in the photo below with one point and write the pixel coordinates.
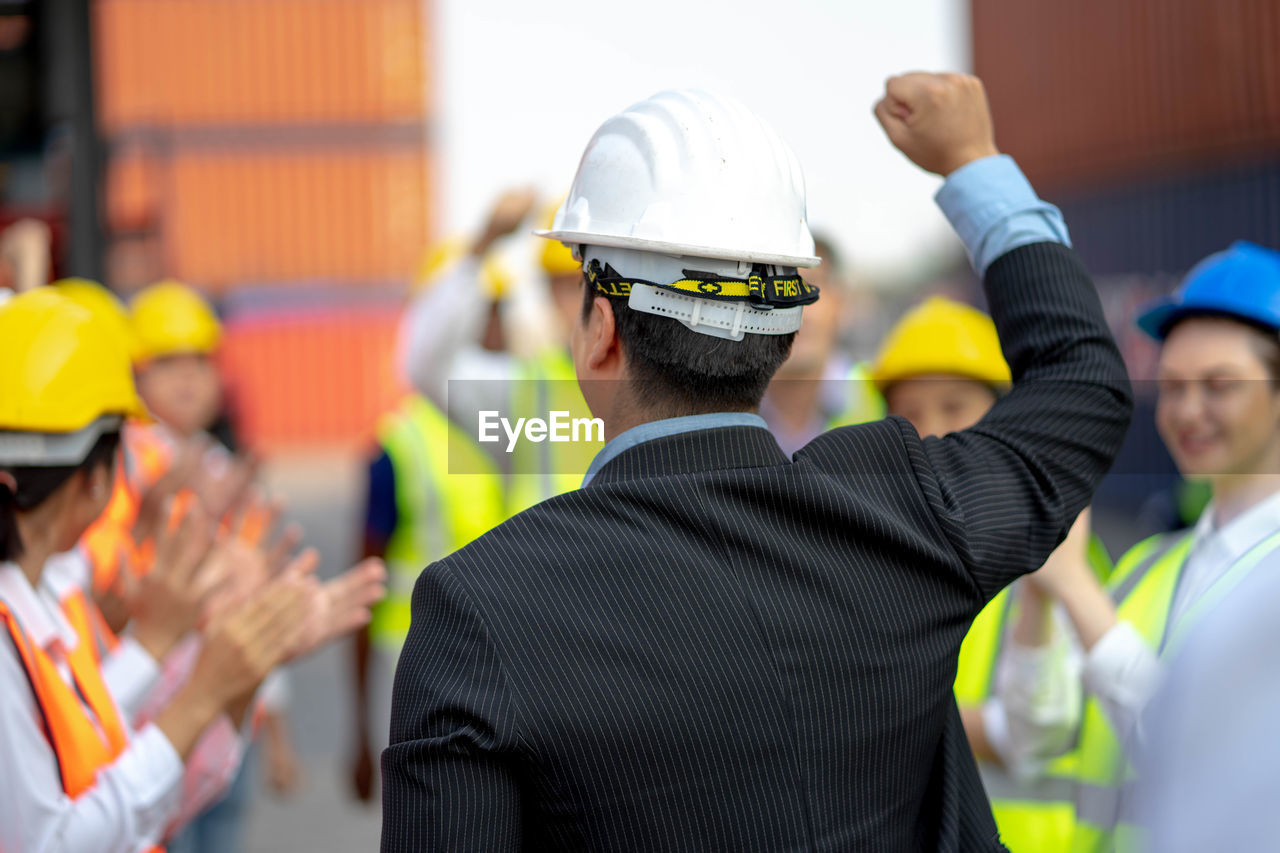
(449, 774)
(1007, 490)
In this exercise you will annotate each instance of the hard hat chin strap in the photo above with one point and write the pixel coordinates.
(729, 320)
(759, 290)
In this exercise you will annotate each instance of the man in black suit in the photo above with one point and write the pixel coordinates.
(711, 646)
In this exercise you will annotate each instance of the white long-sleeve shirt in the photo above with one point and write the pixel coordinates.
(129, 671)
(142, 687)
(1121, 670)
(438, 340)
(133, 799)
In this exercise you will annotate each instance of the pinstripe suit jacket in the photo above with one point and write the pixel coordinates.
(715, 647)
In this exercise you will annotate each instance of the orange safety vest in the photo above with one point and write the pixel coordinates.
(110, 535)
(148, 454)
(80, 745)
(89, 624)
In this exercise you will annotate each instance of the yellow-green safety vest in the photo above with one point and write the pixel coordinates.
(865, 402)
(1031, 816)
(1143, 587)
(547, 383)
(437, 512)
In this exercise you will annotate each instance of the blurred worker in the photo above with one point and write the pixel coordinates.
(177, 336)
(157, 465)
(113, 537)
(75, 776)
(711, 645)
(131, 665)
(818, 388)
(431, 490)
(1218, 412)
(941, 368)
(448, 335)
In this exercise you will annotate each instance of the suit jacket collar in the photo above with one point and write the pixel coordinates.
(699, 450)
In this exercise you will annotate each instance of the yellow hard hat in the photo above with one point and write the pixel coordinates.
(170, 318)
(557, 258)
(66, 380)
(942, 336)
(495, 279)
(105, 306)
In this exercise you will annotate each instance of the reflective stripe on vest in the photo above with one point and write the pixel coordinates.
(545, 469)
(1142, 587)
(436, 512)
(80, 744)
(1213, 596)
(1031, 815)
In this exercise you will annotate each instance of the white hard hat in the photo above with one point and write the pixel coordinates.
(689, 173)
(692, 207)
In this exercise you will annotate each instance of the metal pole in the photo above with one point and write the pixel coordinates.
(68, 65)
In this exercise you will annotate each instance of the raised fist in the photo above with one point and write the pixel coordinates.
(511, 208)
(940, 121)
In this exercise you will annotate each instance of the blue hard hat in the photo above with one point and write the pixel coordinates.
(1242, 282)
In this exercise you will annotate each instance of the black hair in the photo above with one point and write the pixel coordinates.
(35, 485)
(676, 371)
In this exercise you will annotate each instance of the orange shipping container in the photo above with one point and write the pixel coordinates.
(1093, 90)
(167, 62)
(288, 215)
(319, 378)
(132, 189)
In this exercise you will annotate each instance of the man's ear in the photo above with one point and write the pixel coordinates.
(603, 352)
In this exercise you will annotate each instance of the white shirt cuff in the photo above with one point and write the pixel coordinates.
(993, 210)
(151, 770)
(1122, 668)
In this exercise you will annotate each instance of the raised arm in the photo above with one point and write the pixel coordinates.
(1007, 490)
(450, 315)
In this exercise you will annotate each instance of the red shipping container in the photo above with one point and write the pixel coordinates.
(1090, 91)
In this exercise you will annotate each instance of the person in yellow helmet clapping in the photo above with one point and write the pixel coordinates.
(76, 775)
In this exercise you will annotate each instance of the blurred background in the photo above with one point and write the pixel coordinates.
(297, 160)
